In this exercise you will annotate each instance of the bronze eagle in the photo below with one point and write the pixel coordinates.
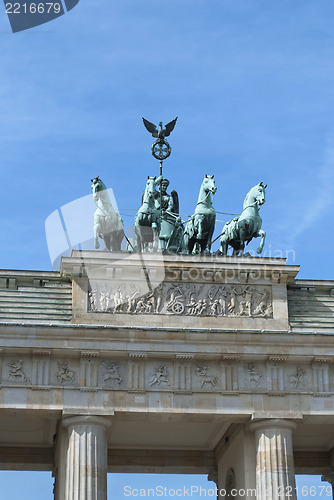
(162, 132)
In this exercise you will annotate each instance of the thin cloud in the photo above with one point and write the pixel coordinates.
(317, 206)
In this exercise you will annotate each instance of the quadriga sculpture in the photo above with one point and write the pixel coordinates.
(241, 230)
(199, 229)
(147, 220)
(108, 224)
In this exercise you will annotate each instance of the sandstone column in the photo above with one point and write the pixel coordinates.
(86, 458)
(275, 476)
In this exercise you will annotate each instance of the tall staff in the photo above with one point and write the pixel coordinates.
(160, 149)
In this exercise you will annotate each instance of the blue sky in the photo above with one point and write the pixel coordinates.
(39, 485)
(252, 82)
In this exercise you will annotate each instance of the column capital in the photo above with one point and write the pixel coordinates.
(273, 423)
(78, 420)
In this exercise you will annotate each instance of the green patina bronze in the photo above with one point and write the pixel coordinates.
(158, 225)
(147, 220)
(108, 224)
(199, 229)
(170, 233)
(160, 149)
(241, 230)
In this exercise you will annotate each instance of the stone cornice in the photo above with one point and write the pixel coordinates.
(274, 269)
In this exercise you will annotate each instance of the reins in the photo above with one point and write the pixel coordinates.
(206, 196)
(99, 208)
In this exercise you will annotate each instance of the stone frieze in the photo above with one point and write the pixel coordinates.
(182, 299)
(144, 374)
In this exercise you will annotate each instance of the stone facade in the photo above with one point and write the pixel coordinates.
(167, 364)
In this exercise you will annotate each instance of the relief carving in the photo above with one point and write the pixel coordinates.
(92, 295)
(182, 299)
(130, 300)
(16, 373)
(64, 373)
(264, 304)
(176, 300)
(111, 373)
(253, 376)
(201, 372)
(160, 376)
(300, 379)
(187, 375)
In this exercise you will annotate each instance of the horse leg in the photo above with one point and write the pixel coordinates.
(199, 226)
(243, 237)
(97, 229)
(184, 243)
(223, 244)
(197, 248)
(190, 245)
(209, 239)
(138, 239)
(204, 244)
(106, 240)
(116, 242)
(155, 237)
(263, 235)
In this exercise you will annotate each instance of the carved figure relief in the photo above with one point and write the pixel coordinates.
(130, 300)
(254, 377)
(206, 379)
(160, 376)
(187, 299)
(111, 373)
(16, 373)
(64, 373)
(300, 379)
(176, 300)
(92, 294)
(262, 307)
(185, 374)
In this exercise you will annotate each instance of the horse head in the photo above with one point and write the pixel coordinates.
(150, 189)
(256, 195)
(101, 197)
(97, 186)
(261, 195)
(208, 184)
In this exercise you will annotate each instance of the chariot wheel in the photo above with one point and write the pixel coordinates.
(178, 308)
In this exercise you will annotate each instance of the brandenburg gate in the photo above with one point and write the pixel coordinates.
(165, 357)
(148, 362)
